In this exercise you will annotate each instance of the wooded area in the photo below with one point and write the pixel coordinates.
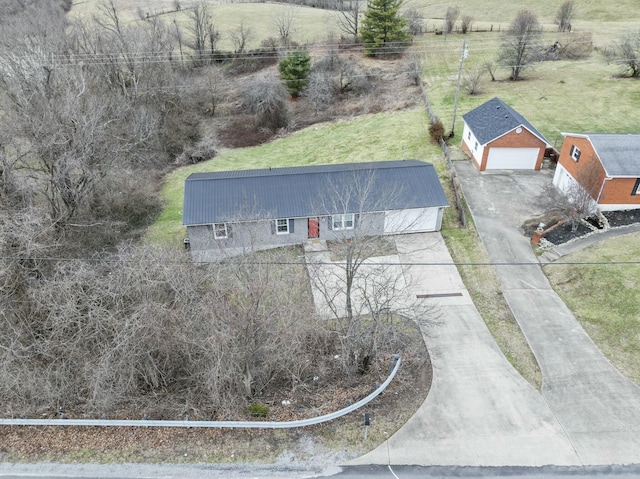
(93, 320)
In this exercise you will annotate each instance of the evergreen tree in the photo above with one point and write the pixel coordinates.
(383, 30)
(294, 71)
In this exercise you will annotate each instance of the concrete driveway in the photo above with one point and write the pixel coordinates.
(480, 411)
(596, 406)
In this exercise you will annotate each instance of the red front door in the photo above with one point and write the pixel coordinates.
(314, 228)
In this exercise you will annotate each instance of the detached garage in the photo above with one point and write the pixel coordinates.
(496, 137)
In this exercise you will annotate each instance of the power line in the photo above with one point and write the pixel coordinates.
(321, 263)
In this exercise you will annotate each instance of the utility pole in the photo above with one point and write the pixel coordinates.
(463, 55)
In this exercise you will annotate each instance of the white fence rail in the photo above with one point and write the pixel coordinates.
(395, 365)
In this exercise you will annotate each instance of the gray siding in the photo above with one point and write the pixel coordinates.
(259, 235)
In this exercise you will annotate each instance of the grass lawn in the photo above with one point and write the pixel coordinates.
(561, 96)
(605, 298)
(388, 136)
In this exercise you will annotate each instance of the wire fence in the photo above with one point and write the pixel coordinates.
(457, 190)
(395, 365)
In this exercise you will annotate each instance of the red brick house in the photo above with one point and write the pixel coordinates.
(496, 137)
(605, 165)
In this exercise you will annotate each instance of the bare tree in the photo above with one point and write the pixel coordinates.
(491, 68)
(348, 15)
(520, 44)
(450, 19)
(61, 130)
(130, 54)
(363, 299)
(240, 38)
(283, 22)
(416, 21)
(565, 15)
(578, 198)
(415, 67)
(200, 27)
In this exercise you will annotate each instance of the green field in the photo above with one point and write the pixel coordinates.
(605, 298)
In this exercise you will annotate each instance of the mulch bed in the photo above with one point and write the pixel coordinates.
(563, 233)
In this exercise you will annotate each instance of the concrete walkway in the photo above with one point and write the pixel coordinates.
(479, 412)
(597, 407)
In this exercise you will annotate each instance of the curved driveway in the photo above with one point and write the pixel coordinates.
(479, 411)
(597, 407)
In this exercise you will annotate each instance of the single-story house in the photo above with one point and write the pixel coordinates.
(496, 137)
(236, 211)
(607, 166)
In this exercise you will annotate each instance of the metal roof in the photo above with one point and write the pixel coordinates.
(308, 191)
(618, 153)
(495, 118)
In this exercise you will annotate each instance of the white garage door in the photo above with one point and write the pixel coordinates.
(411, 221)
(512, 158)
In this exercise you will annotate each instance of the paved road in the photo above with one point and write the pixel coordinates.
(597, 407)
(479, 411)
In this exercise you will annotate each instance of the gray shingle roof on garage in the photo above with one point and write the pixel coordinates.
(298, 192)
(494, 118)
(619, 153)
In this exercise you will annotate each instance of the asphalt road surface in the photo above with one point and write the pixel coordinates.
(254, 471)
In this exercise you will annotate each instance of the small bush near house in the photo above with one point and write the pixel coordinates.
(436, 132)
(257, 409)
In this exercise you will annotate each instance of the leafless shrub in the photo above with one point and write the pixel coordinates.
(266, 98)
(242, 133)
(203, 150)
(138, 333)
(575, 46)
(320, 90)
(465, 23)
(472, 80)
(626, 53)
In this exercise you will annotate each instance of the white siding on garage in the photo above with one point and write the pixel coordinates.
(477, 150)
(512, 158)
(411, 220)
(563, 180)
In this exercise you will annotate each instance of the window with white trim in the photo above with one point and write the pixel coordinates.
(574, 153)
(475, 147)
(220, 231)
(636, 188)
(469, 135)
(282, 226)
(343, 222)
